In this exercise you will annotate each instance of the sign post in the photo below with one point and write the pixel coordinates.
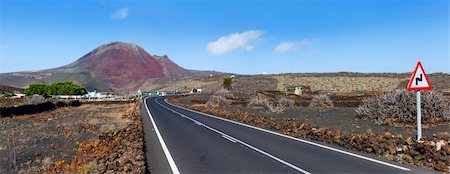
(419, 81)
(419, 116)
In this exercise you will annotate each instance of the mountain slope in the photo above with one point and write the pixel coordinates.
(171, 69)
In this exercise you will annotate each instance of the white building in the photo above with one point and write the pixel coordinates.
(95, 94)
(17, 95)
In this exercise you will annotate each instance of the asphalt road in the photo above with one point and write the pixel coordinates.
(183, 141)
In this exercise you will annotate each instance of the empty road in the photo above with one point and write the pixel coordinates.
(184, 141)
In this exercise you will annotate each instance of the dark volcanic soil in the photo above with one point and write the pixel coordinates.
(338, 118)
(39, 142)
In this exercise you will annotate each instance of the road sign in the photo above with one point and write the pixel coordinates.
(419, 80)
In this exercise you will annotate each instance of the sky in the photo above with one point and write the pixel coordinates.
(244, 37)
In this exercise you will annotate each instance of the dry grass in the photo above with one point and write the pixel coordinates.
(278, 106)
(321, 101)
(399, 107)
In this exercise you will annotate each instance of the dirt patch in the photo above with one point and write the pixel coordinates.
(74, 139)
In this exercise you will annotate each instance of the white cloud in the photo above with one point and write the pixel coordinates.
(120, 14)
(234, 41)
(284, 47)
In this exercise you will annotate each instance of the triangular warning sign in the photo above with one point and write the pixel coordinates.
(419, 80)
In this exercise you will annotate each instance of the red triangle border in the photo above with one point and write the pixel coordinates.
(419, 64)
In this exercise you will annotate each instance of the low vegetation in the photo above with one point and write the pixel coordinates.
(259, 101)
(219, 99)
(227, 82)
(59, 88)
(264, 102)
(399, 107)
(321, 101)
(38, 89)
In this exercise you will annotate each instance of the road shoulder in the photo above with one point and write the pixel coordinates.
(156, 160)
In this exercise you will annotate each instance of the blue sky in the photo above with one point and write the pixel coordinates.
(246, 37)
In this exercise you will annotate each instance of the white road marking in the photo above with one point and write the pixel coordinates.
(172, 164)
(198, 123)
(237, 140)
(229, 138)
(296, 139)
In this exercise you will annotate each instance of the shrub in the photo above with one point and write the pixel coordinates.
(39, 89)
(224, 93)
(400, 107)
(276, 109)
(216, 101)
(67, 88)
(321, 101)
(261, 101)
(59, 88)
(227, 82)
(286, 101)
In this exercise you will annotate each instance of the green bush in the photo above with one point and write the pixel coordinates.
(59, 88)
(227, 82)
(39, 89)
(67, 88)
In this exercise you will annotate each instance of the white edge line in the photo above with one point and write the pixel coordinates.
(239, 141)
(293, 138)
(172, 164)
(229, 138)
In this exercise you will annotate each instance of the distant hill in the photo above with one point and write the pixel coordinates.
(111, 67)
(9, 89)
(337, 83)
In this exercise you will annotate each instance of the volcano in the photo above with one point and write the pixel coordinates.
(120, 63)
(110, 67)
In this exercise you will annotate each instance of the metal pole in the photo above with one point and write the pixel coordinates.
(419, 117)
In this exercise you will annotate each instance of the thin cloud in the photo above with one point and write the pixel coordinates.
(120, 14)
(314, 52)
(284, 47)
(233, 41)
